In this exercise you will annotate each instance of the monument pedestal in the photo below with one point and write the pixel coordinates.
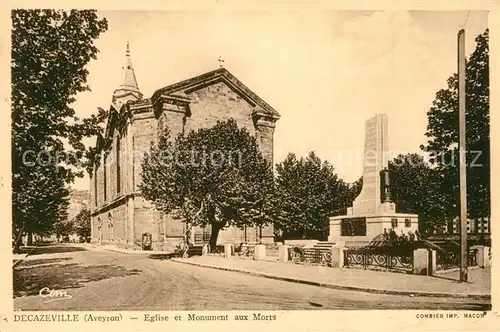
(374, 225)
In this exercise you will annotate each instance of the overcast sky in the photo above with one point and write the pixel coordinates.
(324, 72)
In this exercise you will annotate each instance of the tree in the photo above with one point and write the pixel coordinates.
(418, 188)
(213, 176)
(50, 49)
(63, 229)
(442, 131)
(40, 199)
(307, 193)
(81, 224)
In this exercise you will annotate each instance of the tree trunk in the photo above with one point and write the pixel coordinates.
(213, 237)
(187, 240)
(30, 239)
(18, 241)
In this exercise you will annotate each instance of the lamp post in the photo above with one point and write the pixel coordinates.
(463, 161)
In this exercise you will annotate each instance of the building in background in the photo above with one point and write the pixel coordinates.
(474, 226)
(119, 213)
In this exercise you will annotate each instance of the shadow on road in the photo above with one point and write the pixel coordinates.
(51, 249)
(56, 273)
(46, 261)
(163, 256)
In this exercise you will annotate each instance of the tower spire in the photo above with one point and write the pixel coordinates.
(128, 88)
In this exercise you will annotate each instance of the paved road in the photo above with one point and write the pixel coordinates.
(104, 280)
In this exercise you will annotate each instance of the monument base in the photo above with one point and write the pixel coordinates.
(374, 226)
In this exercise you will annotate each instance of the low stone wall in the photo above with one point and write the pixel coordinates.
(298, 243)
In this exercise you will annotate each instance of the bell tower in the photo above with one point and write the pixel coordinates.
(128, 88)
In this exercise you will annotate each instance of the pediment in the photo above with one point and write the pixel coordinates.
(180, 91)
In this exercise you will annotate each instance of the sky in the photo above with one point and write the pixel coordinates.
(325, 72)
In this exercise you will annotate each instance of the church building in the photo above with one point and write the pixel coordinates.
(119, 214)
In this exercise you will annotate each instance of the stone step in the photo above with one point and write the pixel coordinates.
(195, 251)
(323, 246)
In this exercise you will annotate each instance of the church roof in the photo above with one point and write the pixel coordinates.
(221, 74)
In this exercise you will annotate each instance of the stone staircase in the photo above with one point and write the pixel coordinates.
(323, 246)
(195, 250)
(318, 253)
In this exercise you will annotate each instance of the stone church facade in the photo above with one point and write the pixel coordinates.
(119, 214)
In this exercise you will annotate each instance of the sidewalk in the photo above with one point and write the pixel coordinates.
(18, 258)
(444, 285)
(120, 250)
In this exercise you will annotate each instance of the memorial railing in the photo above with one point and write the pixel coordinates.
(380, 257)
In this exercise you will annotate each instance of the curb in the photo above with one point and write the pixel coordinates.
(19, 261)
(127, 251)
(340, 287)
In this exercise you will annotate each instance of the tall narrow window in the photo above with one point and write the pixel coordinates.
(118, 184)
(105, 177)
(95, 185)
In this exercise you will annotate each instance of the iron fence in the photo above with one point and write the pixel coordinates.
(451, 259)
(309, 255)
(367, 258)
(244, 250)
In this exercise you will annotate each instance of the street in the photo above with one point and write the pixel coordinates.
(96, 279)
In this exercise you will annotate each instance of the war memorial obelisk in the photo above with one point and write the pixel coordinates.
(372, 211)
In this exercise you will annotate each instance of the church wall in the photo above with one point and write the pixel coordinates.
(218, 102)
(144, 134)
(93, 227)
(115, 233)
(123, 165)
(111, 161)
(173, 120)
(119, 223)
(100, 184)
(265, 141)
(148, 220)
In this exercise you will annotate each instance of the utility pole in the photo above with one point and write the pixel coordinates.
(463, 159)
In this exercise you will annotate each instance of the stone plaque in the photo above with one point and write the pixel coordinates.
(353, 226)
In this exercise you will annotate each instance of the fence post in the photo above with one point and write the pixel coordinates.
(204, 249)
(432, 262)
(482, 256)
(259, 252)
(420, 261)
(228, 250)
(337, 256)
(283, 253)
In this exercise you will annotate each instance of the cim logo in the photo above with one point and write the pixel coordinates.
(54, 295)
